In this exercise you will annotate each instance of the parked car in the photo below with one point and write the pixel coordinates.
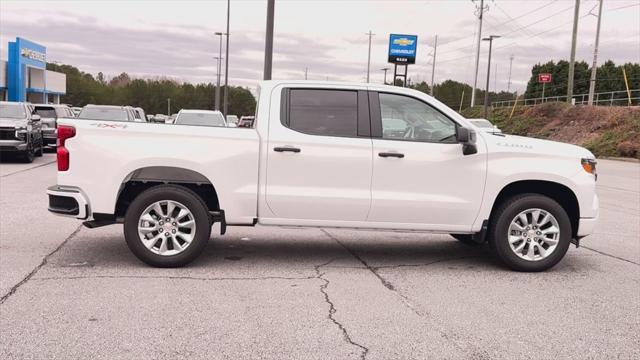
(232, 119)
(107, 113)
(246, 121)
(171, 119)
(76, 110)
(485, 125)
(160, 118)
(319, 157)
(49, 115)
(200, 117)
(139, 115)
(20, 130)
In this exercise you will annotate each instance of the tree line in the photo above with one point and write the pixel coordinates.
(150, 94)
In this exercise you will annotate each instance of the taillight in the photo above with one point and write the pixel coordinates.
(64, 132)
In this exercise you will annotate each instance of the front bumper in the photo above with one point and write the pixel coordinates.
(68, 201)
(13, 145)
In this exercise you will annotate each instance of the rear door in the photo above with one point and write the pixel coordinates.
(420, 175)
(319, 155)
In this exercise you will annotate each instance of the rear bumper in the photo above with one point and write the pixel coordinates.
(68, 201)
(50, 136)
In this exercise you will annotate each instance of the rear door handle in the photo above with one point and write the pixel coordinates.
(391, 154)
(286, 148)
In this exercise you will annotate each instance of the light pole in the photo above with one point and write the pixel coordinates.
(370, 34)
(219, 57)
(594, 67)
(486, 91)
(268, 43)
(385, 74)
(433, 66)
(226, 65)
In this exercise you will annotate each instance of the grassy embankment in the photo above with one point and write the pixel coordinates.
(606, 131)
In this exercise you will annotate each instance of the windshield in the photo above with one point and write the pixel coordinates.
(49, 113)
(203, 119)
(12, 111)
(108, 114)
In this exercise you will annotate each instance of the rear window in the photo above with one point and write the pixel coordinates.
(46, 112)
(200, 119)
(12, 111)
(106, 114)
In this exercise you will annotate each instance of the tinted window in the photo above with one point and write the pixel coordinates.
(46, 112)
(406, 118)
(324, 112)
(107, 114)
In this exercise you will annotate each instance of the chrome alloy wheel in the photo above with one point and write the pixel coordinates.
(166, 227)
(534, 234)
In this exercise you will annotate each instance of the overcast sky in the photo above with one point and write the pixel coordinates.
(176, 38)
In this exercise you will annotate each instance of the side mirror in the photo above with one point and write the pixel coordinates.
(35, 117)
(463, 135)
(467, 138)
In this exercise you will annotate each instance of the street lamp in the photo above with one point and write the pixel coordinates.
(385, 74)
(486, 91)
(219, 57)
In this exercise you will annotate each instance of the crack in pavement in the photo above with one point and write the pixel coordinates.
(169, 277)
(424, 264)
(37, 268)
(609, 255)
(333, 310)
(475, 352)
(373, 270)
(31, 168)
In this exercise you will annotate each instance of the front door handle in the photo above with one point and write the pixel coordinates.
(391, 154)
(286, 148)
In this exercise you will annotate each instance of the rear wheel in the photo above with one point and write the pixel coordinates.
(530, 232)
(167, 226)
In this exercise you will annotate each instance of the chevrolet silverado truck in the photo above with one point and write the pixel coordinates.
(20, 130)
(322, 154)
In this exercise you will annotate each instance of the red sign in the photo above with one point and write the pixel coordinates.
(544, 78)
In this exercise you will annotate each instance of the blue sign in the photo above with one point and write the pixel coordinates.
(23, 54)
(402, 49)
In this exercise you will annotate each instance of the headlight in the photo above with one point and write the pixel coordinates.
(589, 165)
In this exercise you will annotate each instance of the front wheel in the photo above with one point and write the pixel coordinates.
(530, 232)
(28, 155)
(167, 226)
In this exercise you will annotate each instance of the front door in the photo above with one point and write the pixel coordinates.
(420, 175)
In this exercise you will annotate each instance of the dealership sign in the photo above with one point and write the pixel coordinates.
(544, 78)
(33, 54)
(402, 49)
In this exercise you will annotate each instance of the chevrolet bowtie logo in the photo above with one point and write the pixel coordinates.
(403, 42)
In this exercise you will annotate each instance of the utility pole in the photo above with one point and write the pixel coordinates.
(306, 70)
(385, 74)
(433, 65)
(594, 67)
(495, 79)
(268, 43)
(226, 65)
(510, 65)
(370, 34)
(217, 105)
(486, 91)
(475, 76)
(572, 59)
(168, 106)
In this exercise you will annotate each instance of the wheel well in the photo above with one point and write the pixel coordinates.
(143, 179)
(558, 192)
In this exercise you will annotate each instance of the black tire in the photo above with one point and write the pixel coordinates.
(167, 192)
(40, 148)
(466, 239)
(28, 155)
(499, 227)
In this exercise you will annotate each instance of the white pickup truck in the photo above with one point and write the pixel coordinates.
(323, 154)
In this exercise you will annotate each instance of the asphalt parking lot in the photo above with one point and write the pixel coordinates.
(68, 292)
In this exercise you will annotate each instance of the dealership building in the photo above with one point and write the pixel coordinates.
(24, 76)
